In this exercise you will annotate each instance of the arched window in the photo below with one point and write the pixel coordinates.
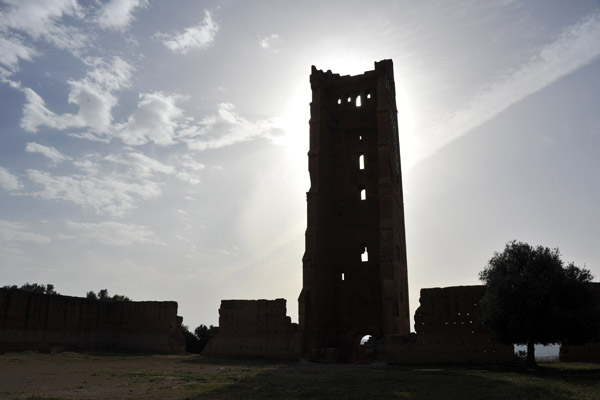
(364, 255)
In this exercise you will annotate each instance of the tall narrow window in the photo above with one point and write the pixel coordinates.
(364, 257)
(358, 101)
(343, 277)
(363, 194)
(361, 161)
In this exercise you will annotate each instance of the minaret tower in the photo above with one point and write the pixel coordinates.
(354, 266)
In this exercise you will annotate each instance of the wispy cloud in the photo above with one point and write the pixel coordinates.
(41, 20)
(155, 120)
(113, 233)
(12, 233)
(118, 14)
(12, 49)
(8, 181)
(93, 95)
(271, 42)
(47, 151)
(110, 194)
(143, 165)
(189, 169)
(227, 127)
(199, 36)
(574, 48)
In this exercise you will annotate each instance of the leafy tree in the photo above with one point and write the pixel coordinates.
(532, 298)
(91, 295)
(35, 288)
(197, 340)
(203, 333)
(104, 296)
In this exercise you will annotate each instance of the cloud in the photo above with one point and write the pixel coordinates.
(227, 127)
(40, 20)
(118, 14)
(107, 194)
(142, 164)
(50, 152)
(271, 42)
(92, 94)
(155, 120)
(11, 233)
(199, 36)
(190, 170)
(8, 181)
(35, 114)
(574, 48)
(113, 233)
(12, 49)
(109, 76)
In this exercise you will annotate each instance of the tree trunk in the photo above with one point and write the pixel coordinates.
(531, 353)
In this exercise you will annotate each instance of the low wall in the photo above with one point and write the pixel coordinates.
(42, 322)
(584, 353)
(588, 351)
(448, 329)
(255, 328)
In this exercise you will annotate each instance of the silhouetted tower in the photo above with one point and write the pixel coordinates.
(354, 266)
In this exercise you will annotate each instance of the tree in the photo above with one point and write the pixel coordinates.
(203, 333)
(91, 295)
(197, 340)
(531, 298)
(104, 296)
(35, 288)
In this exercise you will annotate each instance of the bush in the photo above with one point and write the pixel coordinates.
(197, 340)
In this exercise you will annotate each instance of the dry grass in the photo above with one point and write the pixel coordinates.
(103, 376)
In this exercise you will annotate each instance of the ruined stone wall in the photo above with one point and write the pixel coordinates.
(584, 353)
(255, 328)
(42, 322)
(449, 328)
(588, 351)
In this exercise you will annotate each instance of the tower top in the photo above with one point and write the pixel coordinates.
(383, 66)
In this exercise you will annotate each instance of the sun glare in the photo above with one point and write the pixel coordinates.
(406, 121)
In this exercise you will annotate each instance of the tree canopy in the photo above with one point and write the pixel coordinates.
(104, 296)
(40, 288)
(197, 340)
(34, 288)
(533, 298)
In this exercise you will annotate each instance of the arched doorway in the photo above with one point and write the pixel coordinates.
(364, 348)
(365, 340)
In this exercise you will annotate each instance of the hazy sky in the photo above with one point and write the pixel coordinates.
(158, 148)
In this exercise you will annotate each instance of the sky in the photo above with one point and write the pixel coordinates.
(158, 149)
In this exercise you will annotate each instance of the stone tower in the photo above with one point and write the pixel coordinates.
(354, 266)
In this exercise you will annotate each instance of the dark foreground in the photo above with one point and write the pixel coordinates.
(101, 376)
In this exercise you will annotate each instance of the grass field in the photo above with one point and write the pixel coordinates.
(103, 376)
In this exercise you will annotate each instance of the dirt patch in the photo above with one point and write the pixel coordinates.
(89, 376)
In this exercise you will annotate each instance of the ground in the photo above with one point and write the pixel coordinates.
(67, 375)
